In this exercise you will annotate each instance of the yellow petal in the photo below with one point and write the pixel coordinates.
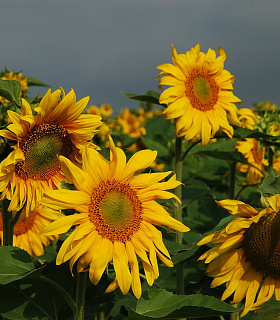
(120, 262)
(101, 256)
(81, 179)
(132, 259)
(63, 224)
(140, 160)
(147, 179)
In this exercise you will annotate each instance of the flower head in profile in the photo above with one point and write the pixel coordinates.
(254, 153)
(200, 96)
(27, 230)
(247, 118)
(116, 214)
(247, 254)
(57, 128)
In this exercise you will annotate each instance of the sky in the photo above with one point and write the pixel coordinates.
(102, 47)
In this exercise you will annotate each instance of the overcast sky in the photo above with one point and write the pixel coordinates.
(102, 47)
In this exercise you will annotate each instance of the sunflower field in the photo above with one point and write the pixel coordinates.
(170, 210)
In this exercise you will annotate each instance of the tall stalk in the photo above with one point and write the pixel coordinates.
(178, 211)
(8, 225)
(81, 295)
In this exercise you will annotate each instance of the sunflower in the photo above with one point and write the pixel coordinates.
(131, 124)
(200, 95)
(247, 254)
(106, 110)
(247, 118)
(116, 215)
(27, 230)
(254, 154)
(93, 110)
(274, 128)
(58, 128)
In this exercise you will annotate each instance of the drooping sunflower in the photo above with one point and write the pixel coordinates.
(200, 96)
(247, 118)
(274, 128)
(116, 215)
(57, 128)
(27, 230)
(255, 155)
(247, 254)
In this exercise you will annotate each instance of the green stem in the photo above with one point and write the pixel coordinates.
(270, 159)
(81, 295)
(232, 180)
(178, 212)
(189, 149)
(8, 226)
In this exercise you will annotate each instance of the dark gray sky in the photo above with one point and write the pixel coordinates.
(102, 47)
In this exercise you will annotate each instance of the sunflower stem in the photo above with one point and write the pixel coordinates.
(178, 211)
(232, 180)
(81, 295)
(8, 225)
(189, 149)
(270, 159)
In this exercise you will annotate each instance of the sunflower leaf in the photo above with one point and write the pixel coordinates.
(270, 310)
(150, 96)
(35, 82)
(154, 145)
(161, 304)
(10, 90)
(270, 185)
(15, 264)
(30, 298)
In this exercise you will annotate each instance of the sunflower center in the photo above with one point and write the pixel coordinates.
(115, 210)
(202, 91)
(262, 244)
(41, 150)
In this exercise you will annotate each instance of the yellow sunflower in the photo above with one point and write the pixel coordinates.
(116, 215)
(93, 110)
(274, 128)
(106, 109)
(57, 128)
(254, 154)
(247, 254)
(200, 95)
(27, 230)
(247, 118)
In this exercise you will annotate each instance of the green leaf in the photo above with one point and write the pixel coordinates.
(193, 190)
(270, 310)
(35, 82)
(10, 90)
(160, 127)
(224, 155)
(150, 96)
(270, 185)
(222, 224)
(180, 251)
(154, 145)
(15, 264)
(30, 299)
(161, 304)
